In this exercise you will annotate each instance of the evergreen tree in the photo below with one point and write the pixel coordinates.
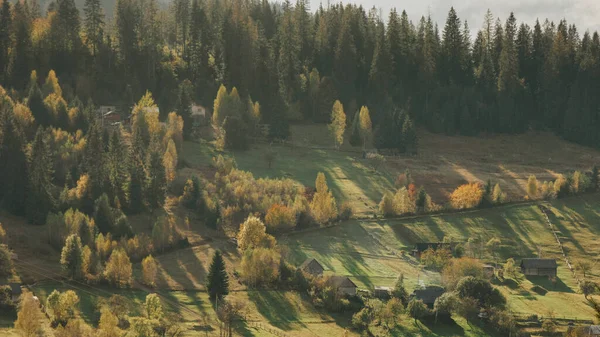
(184, 108)
(452, 51)
(21, 51)
(409, 135)
(156, 180)
(136, 186)
(5, 40)
(355, 138)
(217, 282)
(345, 62)
(13, 165)
(71, 257)
(40, 200)
(116, 164)
(93, 24)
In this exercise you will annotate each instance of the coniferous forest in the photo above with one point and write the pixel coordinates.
(509, 78)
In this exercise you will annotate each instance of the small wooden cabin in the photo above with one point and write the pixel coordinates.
(539, 267)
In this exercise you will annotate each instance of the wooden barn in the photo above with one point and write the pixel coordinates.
(539, 267)
(343, 284)
(313, 267)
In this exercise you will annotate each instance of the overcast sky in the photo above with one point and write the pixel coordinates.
(585, 14)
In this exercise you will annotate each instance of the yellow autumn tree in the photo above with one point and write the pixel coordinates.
(532, 187)
(365, 125)
(218, 104)
(253, 234)
(338, 123)
(174, 130)
(51, 86)
(323, 205)
(467, 196)
(149, 271)
(29, 318)
(170, 161)
(118, 269)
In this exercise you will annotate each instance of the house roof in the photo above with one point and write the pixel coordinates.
(593, 330)
(311, 263)
(15, 288)
(342, 282)
(538, 263)
(383, 288)
(423, 246)
(429, 294)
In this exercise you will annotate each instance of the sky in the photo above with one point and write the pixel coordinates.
(585, 14)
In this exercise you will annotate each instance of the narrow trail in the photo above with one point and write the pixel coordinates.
(545, 210)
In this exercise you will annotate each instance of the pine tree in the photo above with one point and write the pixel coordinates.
(21, 51)
(184, 108)
(355, 138)
(217, 282)
(452, 50)
(338, 124)
(40, 200)
(5, 40)
(156, 180)
(345, 62)
(409, 135)
(117, 163)
(13, 165)
(71, 257)
(93, 24)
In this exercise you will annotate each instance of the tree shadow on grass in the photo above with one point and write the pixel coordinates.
(276, 308)
(546, 283)
(443, 327)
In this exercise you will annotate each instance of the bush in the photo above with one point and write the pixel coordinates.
(467, 196)
(149, 271)
(386, 206)
(482, 290)
(280, 218)
(3, 237)
(456, 269)
(253, 234)
(346, 211)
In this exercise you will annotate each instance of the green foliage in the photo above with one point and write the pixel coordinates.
(156, 181)
(417, 309)
(399, 291)
(71, 257)
(6, 264)
(481, 290)
(217, 281)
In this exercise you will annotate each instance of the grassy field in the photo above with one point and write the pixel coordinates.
(370, 251)
(443, 163)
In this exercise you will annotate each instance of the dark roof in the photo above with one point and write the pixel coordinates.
(342, 282)
(423, 246)
(538, 263)
(429, 294)
(15, 289)
(311, 263)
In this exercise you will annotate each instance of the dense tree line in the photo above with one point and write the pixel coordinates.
(508, 78)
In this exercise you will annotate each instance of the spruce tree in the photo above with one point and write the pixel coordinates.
(184, 108)
(217, 282)
(40, 200)
(355, 138)
(409, 134)
(5, 40)
(136, 186)
(13, 165)
(93, 24)
(156, 180)
(71, 257)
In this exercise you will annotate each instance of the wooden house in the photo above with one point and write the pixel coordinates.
(343, 284)
(539, 267)
(312, 267)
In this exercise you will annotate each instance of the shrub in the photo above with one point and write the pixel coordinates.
(346, 211)
(417, 309)
(192, 193)
(436, 259)
(403, 204)
(482, 290)
(280, 218)
(3, 238)
(467, 196)
(561, 187)
(580, 183)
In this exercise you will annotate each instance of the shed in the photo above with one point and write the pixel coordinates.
(198, 114)
(592, 330)
(104, 109)
(488, 270)
(423, 246)
(313, 267)
(382, 292)
(428, 294)
(15, 291)
(539, 267)
(343, 284)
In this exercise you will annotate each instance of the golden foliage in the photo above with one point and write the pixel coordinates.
(323, 205)
(456, 269)
(170, 161)
(467, 196)
(253, 234)
(149, 271)
(29, 317)
(260, 266)
(338, 123)
(118, 269)
(532, 187)
(280, 217)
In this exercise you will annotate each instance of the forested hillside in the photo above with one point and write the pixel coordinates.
(510, 77)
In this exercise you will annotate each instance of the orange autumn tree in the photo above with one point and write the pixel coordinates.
(467, 196)
(280, 217)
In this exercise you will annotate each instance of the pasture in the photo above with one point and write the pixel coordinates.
(443, 163)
